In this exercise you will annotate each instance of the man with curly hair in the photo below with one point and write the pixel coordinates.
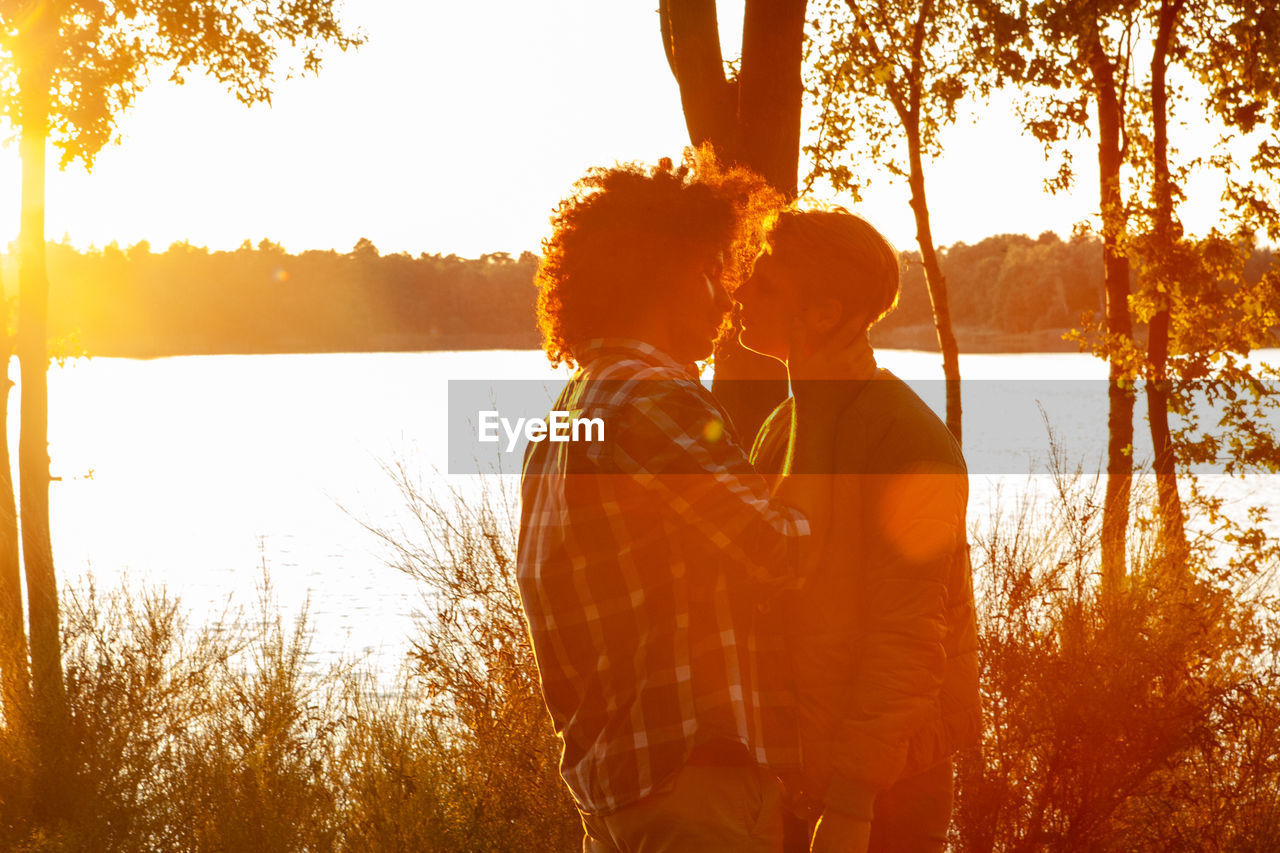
(646, 559)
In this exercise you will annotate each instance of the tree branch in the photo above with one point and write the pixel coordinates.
(914, 79)
(664, 25)
(890, 85)
(707, 98)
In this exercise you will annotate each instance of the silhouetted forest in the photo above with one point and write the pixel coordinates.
(1009, 292)
(190, 300)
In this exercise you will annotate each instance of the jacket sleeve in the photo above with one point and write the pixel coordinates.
(916, 519)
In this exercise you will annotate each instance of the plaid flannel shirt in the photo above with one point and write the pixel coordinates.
(644, 560)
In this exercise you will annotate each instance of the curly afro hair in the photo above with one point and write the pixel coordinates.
(628, 235)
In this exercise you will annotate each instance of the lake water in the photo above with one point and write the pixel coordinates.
(195, 472)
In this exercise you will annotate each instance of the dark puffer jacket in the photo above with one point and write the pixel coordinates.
(882, 639)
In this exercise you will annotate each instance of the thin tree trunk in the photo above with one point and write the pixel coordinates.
(1115, 511)
(937, 284)
(33, 455)
(15, 672)
(1172, 528)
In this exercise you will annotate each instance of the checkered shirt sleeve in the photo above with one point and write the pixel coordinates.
(643, 563)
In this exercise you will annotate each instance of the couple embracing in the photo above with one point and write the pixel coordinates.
(742, 650)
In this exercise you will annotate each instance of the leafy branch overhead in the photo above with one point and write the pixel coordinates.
(877, 68)
(884, 91)
(98, 55)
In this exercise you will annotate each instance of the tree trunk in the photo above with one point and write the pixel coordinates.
(1172, 527)
(33, 454)
(937, 284)
(15, 672)
(1115, 511)
(770, 90)
(754, 121)
(691, 37)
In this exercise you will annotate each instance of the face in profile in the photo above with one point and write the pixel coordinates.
(694, 323)
(769, 307)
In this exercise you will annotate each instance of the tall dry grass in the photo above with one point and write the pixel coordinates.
(473, 693)
(1148, 721)
(1151, 722)
(221, 737)
(207, 739)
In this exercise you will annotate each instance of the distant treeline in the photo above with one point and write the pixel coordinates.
(1011, 291)
(189, 300)
(1007, 292)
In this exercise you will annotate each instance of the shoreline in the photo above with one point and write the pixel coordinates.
(919, 338)
(974, 340)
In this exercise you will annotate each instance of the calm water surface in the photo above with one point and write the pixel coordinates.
(196, 472)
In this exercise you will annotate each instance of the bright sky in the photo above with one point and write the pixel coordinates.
(456, 128)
